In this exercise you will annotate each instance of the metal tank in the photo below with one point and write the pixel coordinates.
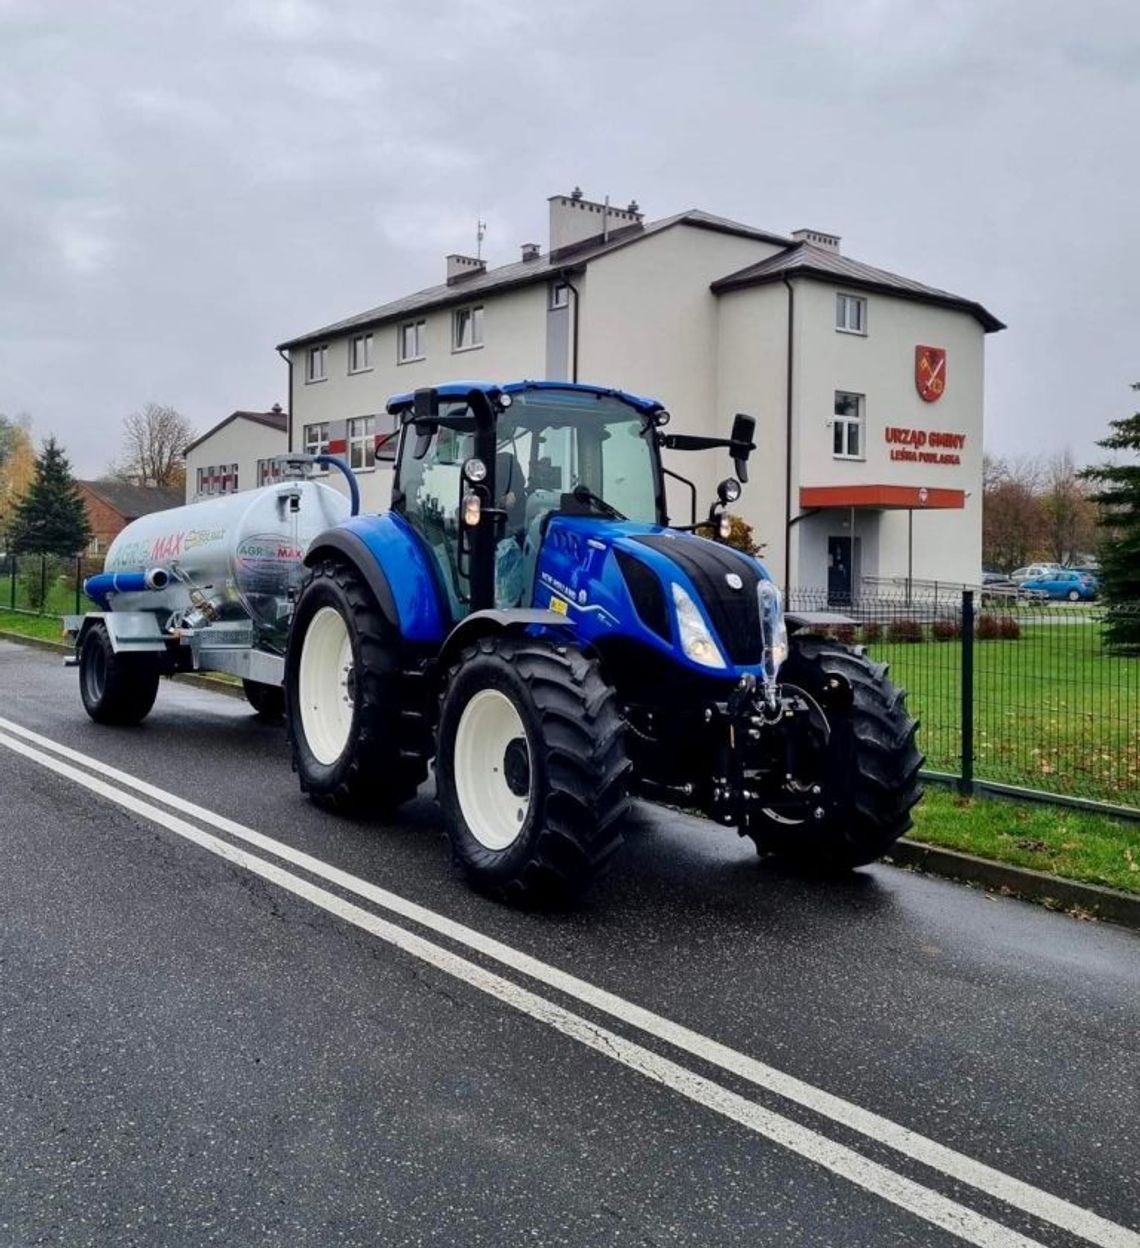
(229, 558)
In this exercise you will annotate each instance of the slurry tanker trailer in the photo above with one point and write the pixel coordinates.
(526, 617)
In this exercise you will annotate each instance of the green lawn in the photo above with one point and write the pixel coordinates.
(60, 593)
(1053, 711)
(1067, 843)
(46, 627)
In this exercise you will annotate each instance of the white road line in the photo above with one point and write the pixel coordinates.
(931, 1206)
(1006, 1188)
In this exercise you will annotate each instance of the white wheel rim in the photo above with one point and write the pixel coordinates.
(325, 685)
(492, 758)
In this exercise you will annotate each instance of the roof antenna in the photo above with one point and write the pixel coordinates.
(480, 231)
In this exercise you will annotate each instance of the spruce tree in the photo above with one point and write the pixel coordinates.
(51, 517)
(1119, 499)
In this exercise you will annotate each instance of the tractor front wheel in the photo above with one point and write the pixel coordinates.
(868, 768)
(531, 767)
(356, 746)
(116, 689)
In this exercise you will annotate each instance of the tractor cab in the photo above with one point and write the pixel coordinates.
(482, 470)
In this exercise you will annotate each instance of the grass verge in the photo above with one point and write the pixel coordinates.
(1071, 844)
(44, 627)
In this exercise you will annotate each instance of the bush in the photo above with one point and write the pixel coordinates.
(904, 630)
(740, 537)
(844, 633)
(946, 630)
(38, 580)
(872, 632)
(1008, 628)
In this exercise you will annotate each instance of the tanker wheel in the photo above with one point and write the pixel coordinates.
(531, 768)
(267, 700)
(356, 745)
(116, 689)
(867, 769)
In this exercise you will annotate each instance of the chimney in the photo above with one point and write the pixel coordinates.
(575, 220)
(460, 267)
(530, 251)
(276, 410)
(829, 242)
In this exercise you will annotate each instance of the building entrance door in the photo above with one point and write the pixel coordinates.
(839, 573)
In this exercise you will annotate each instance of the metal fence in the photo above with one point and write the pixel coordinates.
(45, 584)
(1011, 691)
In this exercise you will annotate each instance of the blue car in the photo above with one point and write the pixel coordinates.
(1064, 584)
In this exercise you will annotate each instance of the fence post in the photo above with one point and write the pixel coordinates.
(43, 584)
(78, 581)
(13, 563)
(966, 781)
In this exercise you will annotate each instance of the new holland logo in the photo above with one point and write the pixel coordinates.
(734, 581)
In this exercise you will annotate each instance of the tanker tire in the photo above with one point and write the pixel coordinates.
(267, 700)
(117, 689)
(570, 762)
(384, 759)
(870, 773)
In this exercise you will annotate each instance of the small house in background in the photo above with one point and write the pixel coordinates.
(112, 505)
(236, 453)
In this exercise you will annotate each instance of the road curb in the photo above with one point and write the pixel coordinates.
(183, 678)
(1050, 890)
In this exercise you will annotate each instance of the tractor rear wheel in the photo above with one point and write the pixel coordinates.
(267, 700)
(117, 689)
(868, 769)
(531, 767)
(355, 744)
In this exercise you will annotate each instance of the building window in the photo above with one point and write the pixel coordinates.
(316, 368)
(851, 314)
(411, 342)
(360, 353)
(268, 472)
(559, 295)
(317, 439)
(847, 427)
(467, 328)
(387, 440)
(362, 442)
(201, 481)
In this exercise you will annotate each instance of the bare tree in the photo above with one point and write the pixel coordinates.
(154, 444)
(1069, 513)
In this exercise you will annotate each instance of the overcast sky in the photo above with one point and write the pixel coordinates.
(183, 185)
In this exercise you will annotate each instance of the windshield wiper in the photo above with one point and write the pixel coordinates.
(583, 494)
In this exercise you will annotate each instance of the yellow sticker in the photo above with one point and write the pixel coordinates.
(558, 605)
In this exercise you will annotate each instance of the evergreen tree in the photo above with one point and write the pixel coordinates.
(51, 517)
(1119, 499)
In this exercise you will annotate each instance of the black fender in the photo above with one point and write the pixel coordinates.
(343, 544)
(481, 623)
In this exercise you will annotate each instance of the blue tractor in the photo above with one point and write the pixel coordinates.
(526, 616)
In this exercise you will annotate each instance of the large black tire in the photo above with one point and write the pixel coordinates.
(384, 755)
(569, 769)
(116, 689)
(869, 769)
(267, 700)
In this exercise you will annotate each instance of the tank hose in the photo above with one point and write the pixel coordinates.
(99, 586)
(349, 476)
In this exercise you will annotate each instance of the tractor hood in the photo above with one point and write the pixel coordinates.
(682, 589)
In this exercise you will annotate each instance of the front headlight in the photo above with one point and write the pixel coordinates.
(773, 629)
(696, 640)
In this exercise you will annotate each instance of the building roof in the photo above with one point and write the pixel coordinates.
(807, 260)
(524, 272)
(275, 419)
(132, 501)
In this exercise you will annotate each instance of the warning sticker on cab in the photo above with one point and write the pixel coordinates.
(558, 605)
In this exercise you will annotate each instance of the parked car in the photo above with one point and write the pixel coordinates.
(1034, 571)
(1063, 583)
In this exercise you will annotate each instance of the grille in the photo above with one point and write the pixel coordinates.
(647, 592)
(735, 613)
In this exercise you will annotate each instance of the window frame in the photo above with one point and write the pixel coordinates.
(554, 304)
(311, 378)
(353, 365)
(845, 300)
(319, 447)
(420, 326)
(846, 422)
(472, 310)
(363, 441)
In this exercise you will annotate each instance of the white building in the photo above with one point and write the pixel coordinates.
(236, 453)
(867, 386)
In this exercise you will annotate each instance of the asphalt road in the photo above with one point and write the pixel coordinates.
(198, 1047)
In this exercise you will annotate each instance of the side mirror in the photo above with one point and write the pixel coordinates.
(425, 404)
(741, 443)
